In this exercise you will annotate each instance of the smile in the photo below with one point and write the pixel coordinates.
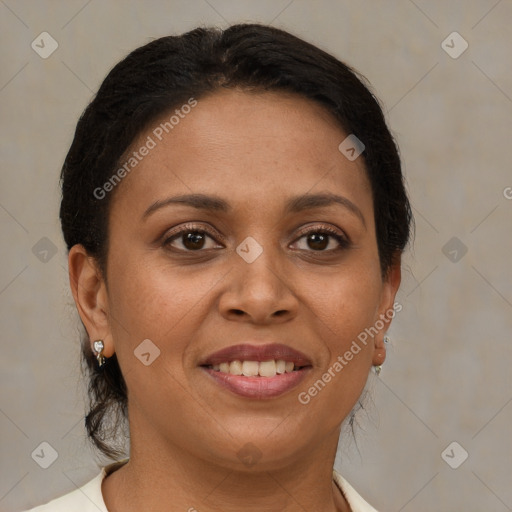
(257, 371)
(255, 368)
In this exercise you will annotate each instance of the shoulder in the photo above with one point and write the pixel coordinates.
(87, 498)
(356, 502)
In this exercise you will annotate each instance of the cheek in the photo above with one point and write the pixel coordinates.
(151, 299)
(349, 302)
(347, 306)
(344, 309)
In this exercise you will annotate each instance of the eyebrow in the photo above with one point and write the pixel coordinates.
(293, 205)
(310, 201)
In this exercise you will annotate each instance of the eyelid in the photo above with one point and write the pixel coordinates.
(321, 227)
(315, 228)
(339, 235)
(190, 226)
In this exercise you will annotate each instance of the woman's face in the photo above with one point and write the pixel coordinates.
(243, 258)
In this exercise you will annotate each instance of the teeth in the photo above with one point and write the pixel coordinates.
(250, 368)
(280, 366)
(267, 369)
(254, 368)
(235, 368)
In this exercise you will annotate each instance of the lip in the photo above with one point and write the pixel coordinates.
(258, 387)
(250, 352)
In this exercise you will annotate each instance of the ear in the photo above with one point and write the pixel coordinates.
(90, 294)
(387, 307)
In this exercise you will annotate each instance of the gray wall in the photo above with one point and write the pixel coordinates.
(447, 377)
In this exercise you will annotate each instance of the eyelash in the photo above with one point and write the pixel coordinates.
(343, 240)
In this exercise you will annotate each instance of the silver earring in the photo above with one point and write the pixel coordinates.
(386, 339)
(98, 350)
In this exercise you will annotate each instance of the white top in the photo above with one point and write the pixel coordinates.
(89, 498)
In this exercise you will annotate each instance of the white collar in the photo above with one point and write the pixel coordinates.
(89, 497)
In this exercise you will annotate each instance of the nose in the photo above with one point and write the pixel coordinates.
(258, 292)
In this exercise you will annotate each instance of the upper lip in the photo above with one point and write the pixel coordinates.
(250, 352)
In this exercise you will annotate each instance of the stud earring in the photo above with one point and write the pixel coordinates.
(98, 350)
(378, 368)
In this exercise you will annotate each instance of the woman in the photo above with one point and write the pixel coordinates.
(235, 213)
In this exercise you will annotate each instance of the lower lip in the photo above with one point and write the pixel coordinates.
(258, 387)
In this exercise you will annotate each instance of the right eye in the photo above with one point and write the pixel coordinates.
(191, 239)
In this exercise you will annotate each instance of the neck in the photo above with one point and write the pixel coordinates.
(160, 477)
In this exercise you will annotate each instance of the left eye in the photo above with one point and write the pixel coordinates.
(323, 241)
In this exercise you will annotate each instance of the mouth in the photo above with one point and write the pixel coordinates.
(257, 371)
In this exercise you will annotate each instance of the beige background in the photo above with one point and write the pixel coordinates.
(447, 377)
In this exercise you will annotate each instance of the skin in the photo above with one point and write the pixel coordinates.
(255, 151)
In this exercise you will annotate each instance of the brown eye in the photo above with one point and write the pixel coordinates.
(318, 241)
(190, 239)
(323, 240)
(193, 240)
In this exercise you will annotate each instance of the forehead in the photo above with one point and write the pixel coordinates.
(244, 145)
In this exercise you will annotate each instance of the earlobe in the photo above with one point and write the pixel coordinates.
(90, 294)
(387, 309)
(379, 356)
